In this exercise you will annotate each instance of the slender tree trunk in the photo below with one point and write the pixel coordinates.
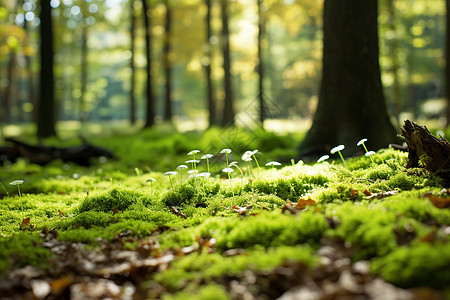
(228, 112)
(167, 63)
(351, 101)
(209, 83)
(8, 97)
(260, 67)
(132, 66)
(84, 72)
(150, 111)
(46, 109)
(30, 77)
(393, 49)
(447, 57)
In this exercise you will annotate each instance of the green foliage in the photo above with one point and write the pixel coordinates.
(119, 198)
(210, 291)
(193, 192)
(207, 266)
(20, 250)
(421, 264)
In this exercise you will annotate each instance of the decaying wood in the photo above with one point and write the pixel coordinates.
(427, 151)
(43, 155)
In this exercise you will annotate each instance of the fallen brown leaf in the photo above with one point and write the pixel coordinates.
(26, 222)
(437, 201)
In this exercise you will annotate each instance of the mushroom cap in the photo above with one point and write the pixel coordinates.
(273, 163)
(170, 173)
(192, 161)
(225, 151)
(150, 179)
(227, 170)
(16, 182)
(362, 141)
(369, 153)
(337, 148)
(207, 156)
(193, 152)
(322, 158)
(181, 167)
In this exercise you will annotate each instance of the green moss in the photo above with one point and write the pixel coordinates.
(369, 230)
(192, 192)
(420, 264)
(287, 187)
(210, 291)
(208, 266)
(21, 250)
(116, 197)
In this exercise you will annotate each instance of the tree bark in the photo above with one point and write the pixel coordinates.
(351, 101)
(228, 112)
(150, 110)
(132, 66)
(260, 67)
(46, 109)
(167, 63)
(427, 151)
(211, 101)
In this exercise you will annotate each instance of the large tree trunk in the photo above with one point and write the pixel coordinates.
(150, 111)
(46, 109)
(211, 101)
(167, 63)
(228, 112)
(260, 67)
(351, 101)
(132, 65)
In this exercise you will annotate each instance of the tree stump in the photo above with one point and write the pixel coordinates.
(427, 151)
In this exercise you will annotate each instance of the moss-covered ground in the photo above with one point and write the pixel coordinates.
(126, 229)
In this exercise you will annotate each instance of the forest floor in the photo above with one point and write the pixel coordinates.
(128, 229)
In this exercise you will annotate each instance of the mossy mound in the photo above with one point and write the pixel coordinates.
(115, 198)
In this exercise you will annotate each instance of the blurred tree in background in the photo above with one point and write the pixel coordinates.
(351, 101)
(275, 59)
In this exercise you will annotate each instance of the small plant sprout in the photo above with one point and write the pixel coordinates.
(193, 163)
(151, 184)
(229, 170)
(226, 151)
(170, 174)
(234, 164)
(204, 174)
(207, 157)
(181, 168)
(248, 155)
(193, 160)
(361, 142)
(323, 158)
(192, 173)
(338, 149)
(18, 183)
(272, 164)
